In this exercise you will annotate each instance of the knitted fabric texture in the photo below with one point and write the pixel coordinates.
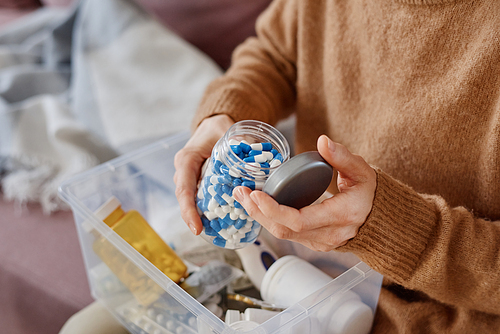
(413, 87)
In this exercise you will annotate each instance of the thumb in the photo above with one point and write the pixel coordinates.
(348, 165)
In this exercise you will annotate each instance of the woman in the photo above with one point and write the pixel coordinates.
(411, 86)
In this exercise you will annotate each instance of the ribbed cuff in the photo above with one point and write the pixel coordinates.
(397, 230)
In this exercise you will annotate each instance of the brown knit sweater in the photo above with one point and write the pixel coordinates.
(413, 87)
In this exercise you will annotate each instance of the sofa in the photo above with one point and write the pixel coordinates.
(42, 275)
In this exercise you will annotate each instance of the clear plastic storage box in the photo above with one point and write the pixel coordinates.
(149, 302)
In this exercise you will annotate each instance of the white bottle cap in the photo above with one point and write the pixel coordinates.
(352, 317)
(291, 279)
(215, 309)
(244, 325)
(259, 315)
(107, 208)
(232, 316)
(102, 212)
(256, 315)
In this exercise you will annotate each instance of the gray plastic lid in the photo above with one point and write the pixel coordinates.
(300, 181)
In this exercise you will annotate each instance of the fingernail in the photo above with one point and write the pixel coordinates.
(238, 194)
(331, 145)
(193, 229)
(255, 198)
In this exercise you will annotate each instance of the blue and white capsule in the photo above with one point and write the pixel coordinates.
(275, 163)
(263, 157)
(262, 146)
(278, 159)
(245, 147)
(219, 241)
(249, 184)
(220, 200)
(236, 149)
(254, 152)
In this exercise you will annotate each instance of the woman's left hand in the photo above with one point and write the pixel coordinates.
(324, 226)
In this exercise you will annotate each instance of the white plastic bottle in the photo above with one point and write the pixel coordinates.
(291, 279)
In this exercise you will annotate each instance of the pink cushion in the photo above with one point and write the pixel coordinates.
(11, 10)
(42, 276)
(8, 15)
(216, 27)
(59, 3)
(20, 4)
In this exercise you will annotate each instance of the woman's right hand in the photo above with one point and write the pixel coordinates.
(188, 162)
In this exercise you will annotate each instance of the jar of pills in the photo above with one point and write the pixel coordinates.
(248, 153)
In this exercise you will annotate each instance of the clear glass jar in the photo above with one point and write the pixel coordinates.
(225, 223)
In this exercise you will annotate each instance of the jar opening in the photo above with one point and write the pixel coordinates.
(253, 132)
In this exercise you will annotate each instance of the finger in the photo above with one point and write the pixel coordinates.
(289, 218)
(288, 223)
(271, 213)
(242, 195)
(294, 222)
(188, 162)
(305, 219)
(342, 211)
(349, 166)
(188, 166)
(251, 202)
(325, 239)
(331, 211)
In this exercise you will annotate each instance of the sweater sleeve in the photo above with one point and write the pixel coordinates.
(421, 243)
(260, 84)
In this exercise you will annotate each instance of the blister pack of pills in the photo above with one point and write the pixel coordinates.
(157, 318)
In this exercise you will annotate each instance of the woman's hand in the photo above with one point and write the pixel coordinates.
(188, 163)
(325, 226)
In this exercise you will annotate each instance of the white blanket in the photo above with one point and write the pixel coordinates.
(80, 86)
